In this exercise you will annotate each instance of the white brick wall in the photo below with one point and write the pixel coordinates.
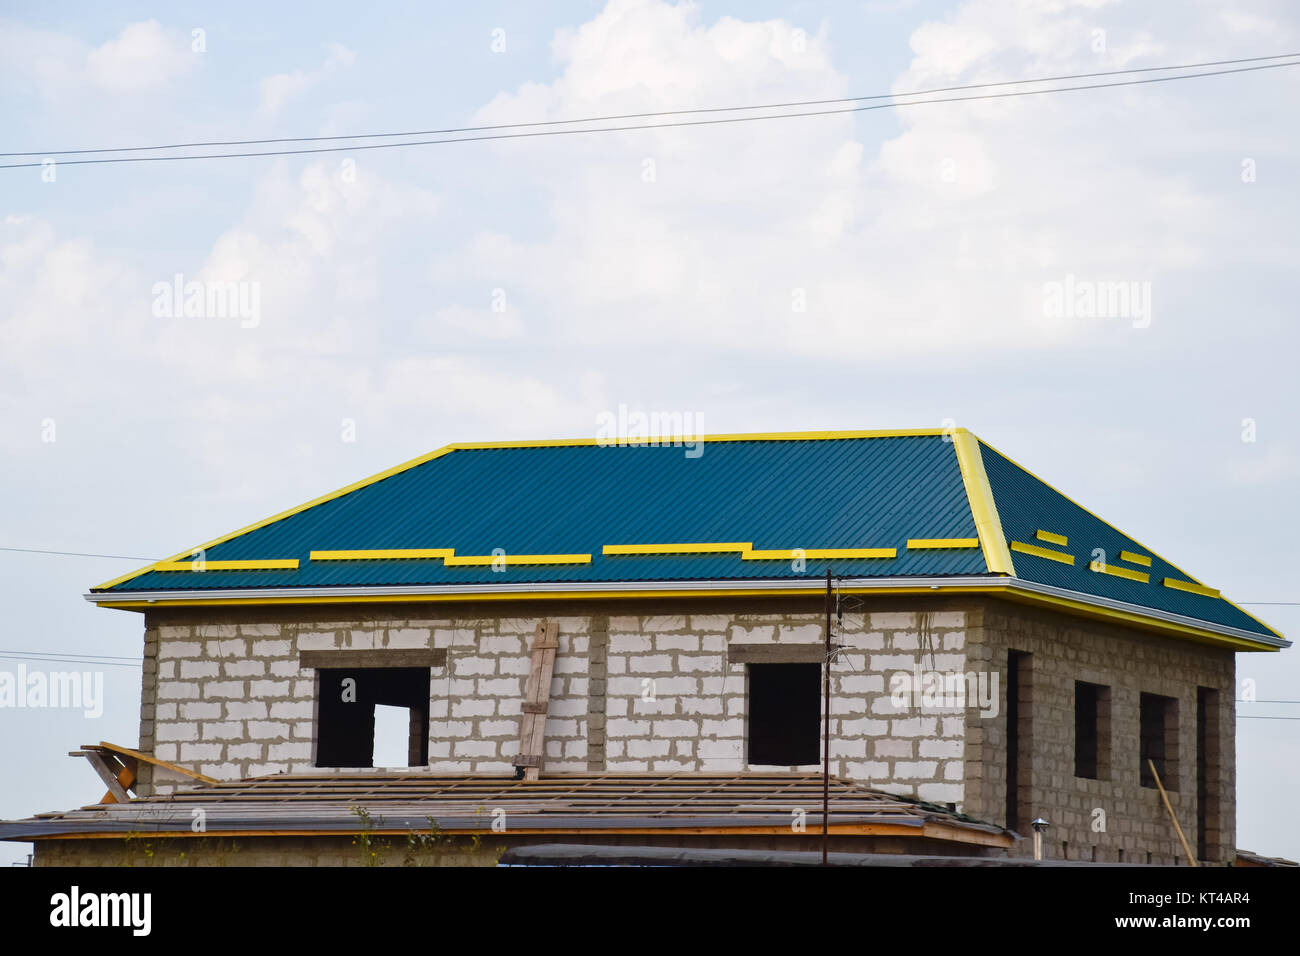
(231, 700)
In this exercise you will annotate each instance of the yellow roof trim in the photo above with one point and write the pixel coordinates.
(1140, 576)
(485, 560)
(1191, 588)
(979, 495)
(782, 554)
(1132, 558)
(1042, 552)
(921, 544)
(716, 547)
(1051, 537)
(543, 443)
(277, 564)
(384, 554)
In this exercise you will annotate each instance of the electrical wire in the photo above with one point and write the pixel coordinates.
(626, 116)
(78, 554)
(644, 126)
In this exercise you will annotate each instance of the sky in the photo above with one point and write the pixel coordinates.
(878, 269)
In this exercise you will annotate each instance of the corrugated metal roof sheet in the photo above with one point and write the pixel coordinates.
(1028, 505)
(776, 493)
(843, 493)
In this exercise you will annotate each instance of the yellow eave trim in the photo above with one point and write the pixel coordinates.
(485, 560)
(286, 564)
(1051, 537)
(979, 495)
(1119, 572)
(715, 547)
(1042, 552)
(783, 554)
(1191, 588)
(384, 554)
(921, 544)
(1132, 558)
(1003, 590)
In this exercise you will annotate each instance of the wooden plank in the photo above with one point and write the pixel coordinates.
(1172, 816)
(147, 758)
(116, 791)
(125, 776)
(537, 696)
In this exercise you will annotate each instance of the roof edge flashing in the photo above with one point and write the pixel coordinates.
(980, 584)
(979, 495)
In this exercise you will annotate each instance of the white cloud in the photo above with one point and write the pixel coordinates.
(144, 56)
(791, 234)
(279, 89)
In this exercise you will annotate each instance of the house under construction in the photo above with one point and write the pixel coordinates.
(626, 645)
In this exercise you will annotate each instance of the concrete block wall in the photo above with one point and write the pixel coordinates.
(1065, 649)
(630, 692)
(230, 699)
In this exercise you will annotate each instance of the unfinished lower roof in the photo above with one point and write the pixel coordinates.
(884, 512)
(687, 803)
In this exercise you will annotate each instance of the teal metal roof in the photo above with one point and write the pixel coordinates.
(1027, 505)
(756, 498)
(775, 495)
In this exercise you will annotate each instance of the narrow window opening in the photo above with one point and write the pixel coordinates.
(372, 716)
(1208, 780)
(784, 714)
(1091, 731)
(1020, 740)
(1158, 718)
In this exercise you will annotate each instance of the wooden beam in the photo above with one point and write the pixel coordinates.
(116, 792)
(1165, 797)
(149, 759)
(537, 699)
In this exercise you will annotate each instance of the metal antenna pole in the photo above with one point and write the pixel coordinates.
(826, 729)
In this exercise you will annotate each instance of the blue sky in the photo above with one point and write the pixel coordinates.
(919, 241)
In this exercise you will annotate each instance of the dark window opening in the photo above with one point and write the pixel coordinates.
(785, 709)
(1208, 778)
(345, 714)
(1020, 740)
(1158, 717)
(1091, 731)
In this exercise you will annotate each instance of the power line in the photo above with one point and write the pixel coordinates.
(1249, 717)
(645, 126)
(69, 660)
(77, 654)
(681, 112)
(78, 554)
